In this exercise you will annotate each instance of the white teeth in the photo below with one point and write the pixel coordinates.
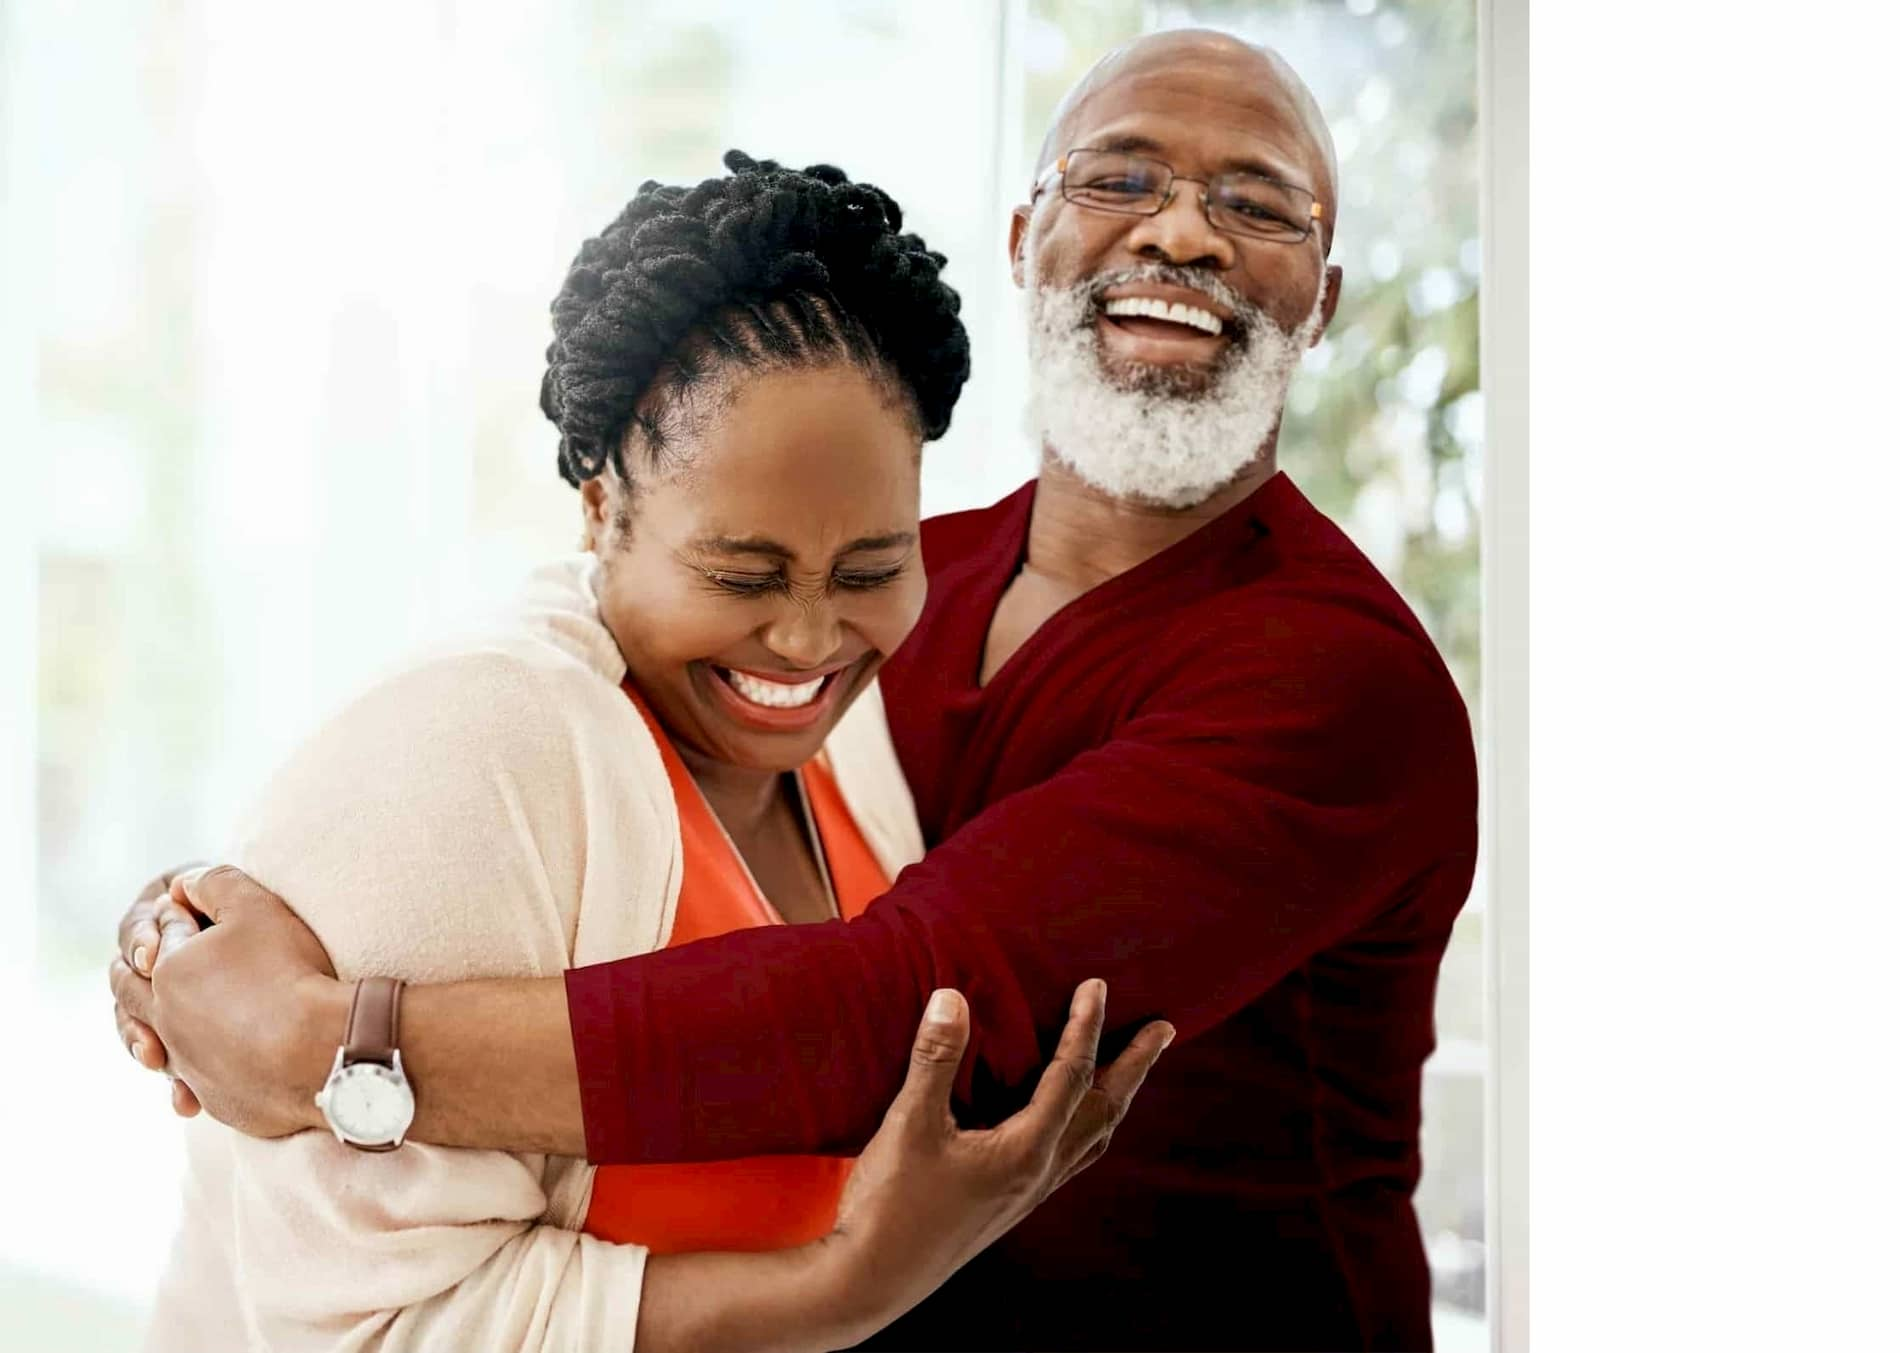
(773, 694)
(1149, 307)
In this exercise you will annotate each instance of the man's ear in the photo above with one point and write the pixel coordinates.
(1018, 244)
(1331, 307)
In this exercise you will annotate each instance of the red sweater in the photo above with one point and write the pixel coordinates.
(1237, 783)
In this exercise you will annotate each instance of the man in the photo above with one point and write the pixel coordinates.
(1163, 724)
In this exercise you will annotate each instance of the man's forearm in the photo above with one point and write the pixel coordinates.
(492, 1062)
(1190, 868)
(792, 1038)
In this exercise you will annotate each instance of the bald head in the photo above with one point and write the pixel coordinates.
(1204, 63)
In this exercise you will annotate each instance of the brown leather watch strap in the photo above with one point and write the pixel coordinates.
(370, 1035)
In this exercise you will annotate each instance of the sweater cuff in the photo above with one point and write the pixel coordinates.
(606, 1073)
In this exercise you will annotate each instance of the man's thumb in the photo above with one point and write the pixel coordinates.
(211, 890)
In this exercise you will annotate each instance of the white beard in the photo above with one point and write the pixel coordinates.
(1153, 434)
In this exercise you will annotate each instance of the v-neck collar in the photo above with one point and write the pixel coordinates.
(812, 834)
(678, 773)
(1245, 518)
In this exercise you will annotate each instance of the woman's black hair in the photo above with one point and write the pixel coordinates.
(769, 268)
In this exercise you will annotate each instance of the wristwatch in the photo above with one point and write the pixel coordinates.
(367, 1101)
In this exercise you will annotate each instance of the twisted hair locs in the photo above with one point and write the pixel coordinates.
(768, 268)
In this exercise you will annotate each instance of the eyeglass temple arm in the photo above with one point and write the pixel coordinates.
(1057, 169)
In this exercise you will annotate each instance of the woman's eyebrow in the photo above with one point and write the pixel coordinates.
(890, 540)
(742, 545)
(774, 550)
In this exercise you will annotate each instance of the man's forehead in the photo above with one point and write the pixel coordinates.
(1258, 132)
(1206, 84)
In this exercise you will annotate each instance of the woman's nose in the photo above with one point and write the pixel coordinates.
(805, 633)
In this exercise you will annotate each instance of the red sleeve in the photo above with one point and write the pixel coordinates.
(1252, 811)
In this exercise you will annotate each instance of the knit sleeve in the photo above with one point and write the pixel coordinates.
(436, 828)
(1247, 813)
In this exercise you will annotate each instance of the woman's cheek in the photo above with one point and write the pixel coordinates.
(666, 622)
(898, 615)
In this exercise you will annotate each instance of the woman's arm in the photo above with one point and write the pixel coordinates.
(922, 1200)
(436, 826)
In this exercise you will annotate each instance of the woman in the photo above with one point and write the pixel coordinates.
(651, 745)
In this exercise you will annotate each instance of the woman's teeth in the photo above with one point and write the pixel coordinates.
(774, 694)
(1147, 307)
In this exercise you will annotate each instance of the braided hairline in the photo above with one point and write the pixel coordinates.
(797, 330)
(767, 269)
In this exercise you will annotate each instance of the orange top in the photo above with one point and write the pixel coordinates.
(761, 1202)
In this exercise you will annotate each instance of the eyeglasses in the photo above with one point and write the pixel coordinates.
(1238, 202)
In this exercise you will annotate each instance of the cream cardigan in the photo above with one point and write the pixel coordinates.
(495, 807)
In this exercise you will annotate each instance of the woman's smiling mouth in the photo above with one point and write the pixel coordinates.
(770, 703)
(772, 692)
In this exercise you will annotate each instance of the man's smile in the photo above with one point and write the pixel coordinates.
(1174, 313)
(1162, 325)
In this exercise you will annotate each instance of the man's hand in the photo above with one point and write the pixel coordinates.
(228, 1012)
(140, 938)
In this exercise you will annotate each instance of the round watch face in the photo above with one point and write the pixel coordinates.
(369, 1102)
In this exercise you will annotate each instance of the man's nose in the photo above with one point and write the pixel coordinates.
(1181, 234)
(805, 632)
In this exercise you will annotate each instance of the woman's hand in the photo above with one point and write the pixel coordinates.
(926, 1196)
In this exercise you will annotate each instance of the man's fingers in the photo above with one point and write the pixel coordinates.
(132, 992)
(138, 932)
(132, 1008)
(140, 1041)
(935, 1055)
(1071, 1072)
(184, 1102)
(176, 923)
(215, 891)
(138, 938)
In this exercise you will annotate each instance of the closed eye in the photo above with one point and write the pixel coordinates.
(865, 579)
(745, 584)
(758, 584)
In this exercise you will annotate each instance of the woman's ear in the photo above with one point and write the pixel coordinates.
(594, 513)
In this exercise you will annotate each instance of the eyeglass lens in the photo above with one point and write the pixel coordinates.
(1246, 204)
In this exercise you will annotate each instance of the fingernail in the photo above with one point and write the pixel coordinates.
(133, 1048)
(942, 1008)
(1167, 1038)
(139, 956)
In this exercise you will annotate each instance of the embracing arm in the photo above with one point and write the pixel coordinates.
(259, 1027)
(1250, 814)
(450, 778)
